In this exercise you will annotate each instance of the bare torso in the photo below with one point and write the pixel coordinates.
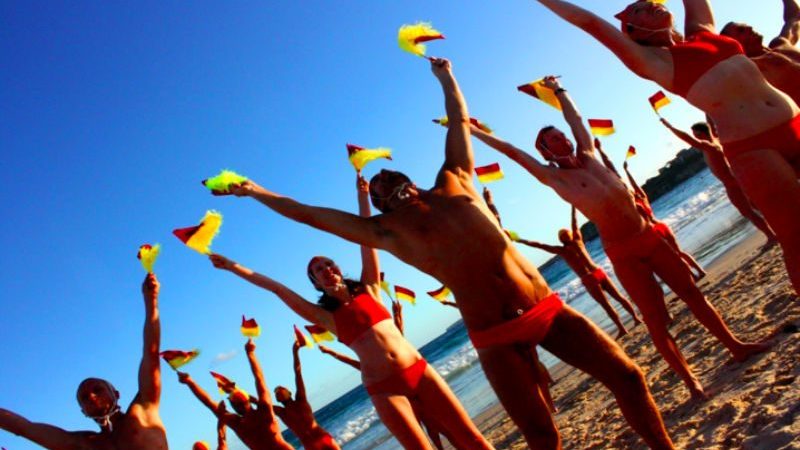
(577, 258)
(718, 166)
(139, 429)
(450, 234)
(257, 431)
(781, 67)
(298, 417)
(382, 351)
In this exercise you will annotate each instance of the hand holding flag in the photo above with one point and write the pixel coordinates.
(539, 90)
(445, 122)
(411, 38)
(221, 183)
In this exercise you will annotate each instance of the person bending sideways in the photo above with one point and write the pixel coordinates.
(637, 251)
(257, 427)
(449, 233)
(137, 428)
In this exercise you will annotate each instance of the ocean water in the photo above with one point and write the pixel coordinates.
(705, 223)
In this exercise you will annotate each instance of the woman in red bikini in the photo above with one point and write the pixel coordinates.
(393, 371)
(759, 126)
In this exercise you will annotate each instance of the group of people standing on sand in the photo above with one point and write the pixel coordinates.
(751, 140)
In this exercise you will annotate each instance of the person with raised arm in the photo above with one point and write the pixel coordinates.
(758, 125)
(573, 251)
(636, 250)
(780, 60)
(296, 412)
(392, 370)
(137, 428)
(450, 234)
(704, 140)
(257, 427)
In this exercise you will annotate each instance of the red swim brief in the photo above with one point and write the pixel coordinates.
(784, 138)
(598, 275)
(531, 327)
(404, 382)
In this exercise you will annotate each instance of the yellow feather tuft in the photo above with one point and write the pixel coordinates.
(201, 240)
(148, 255)
(223, 181)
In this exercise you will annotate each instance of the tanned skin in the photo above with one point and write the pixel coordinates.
(780, 60)
(704, 140)
(583, 181)
(138, 428)
(296, 412)
(256, 426)
(468, 252)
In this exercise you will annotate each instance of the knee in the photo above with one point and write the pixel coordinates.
(629, 376)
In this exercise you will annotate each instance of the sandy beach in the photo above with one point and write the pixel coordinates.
(754, 405)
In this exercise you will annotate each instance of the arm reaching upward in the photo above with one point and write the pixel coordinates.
(397, 315)
(264, 399)
(305, 309)
(363, 231)
(489, 199)
(636, 188)
(150, 367)
(699, 16)
(556, 250)
(544, 174)
(576, 230)
(198, 392)
(299, 384)
(343, 358)
(689, 139)
(370, 264)
(48, 436)
(604, 157)
(222, 442)
(642, 60)
(791, 25)
(583, 139)
(458, 157)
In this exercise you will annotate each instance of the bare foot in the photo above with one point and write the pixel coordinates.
(698, 394)
(745, 351)
(622, 332)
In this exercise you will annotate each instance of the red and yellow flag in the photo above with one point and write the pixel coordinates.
(513, 235)
(659, 100)
(225, 385)
(223, 181)
(490, 173)
(301, 338)
(250, 328)
(601, 127)
(199, 237)
(178, 358)
(148, 254)
(631, 152)
(386, 287)
(537, 89)
(240, 395)
(440, 294)
(360, 156)
(405, 294)
(201, 445)
(319, 334)
(444, 121)
(411, 37)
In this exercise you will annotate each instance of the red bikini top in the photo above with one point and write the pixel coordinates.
(358, 316)
(697, 55)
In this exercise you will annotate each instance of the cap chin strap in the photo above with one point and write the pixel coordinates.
(571, 158)
(105, 420)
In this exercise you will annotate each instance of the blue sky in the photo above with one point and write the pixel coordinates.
(111, 114)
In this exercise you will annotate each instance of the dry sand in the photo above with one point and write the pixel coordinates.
(754, 405)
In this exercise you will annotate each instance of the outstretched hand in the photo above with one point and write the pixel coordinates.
(362, 185)
(221, 262)
(238, 189)
(250, 346)
(150, 286)
(183, 377)
(597, 144)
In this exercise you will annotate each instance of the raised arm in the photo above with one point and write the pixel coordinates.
(264, 399)
(639, 59)
(343, 358)
(583, 139)
(556, 250)
(699, 16)
(222, 442)
(576, 230)
(636, 188)
(150, 366)
(604, 157)
(47, 436)
(370, 264)
(299, 384)
(544, 174)
(364, 231)
(198, 392)
(688, 138)
(489, 199)
(305, 309)
(791, 25)
(397, 315)
(458, 157)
